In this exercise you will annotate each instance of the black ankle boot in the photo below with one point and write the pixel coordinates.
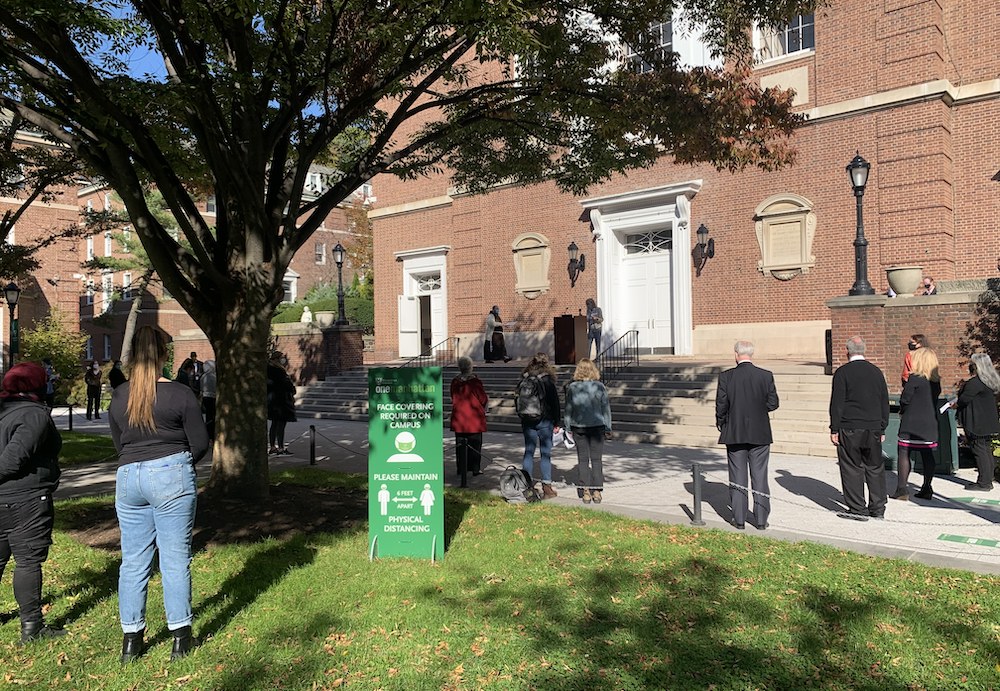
(183, 643)
(132, 646)
(37, 630)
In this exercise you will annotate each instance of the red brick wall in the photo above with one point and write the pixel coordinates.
(929, 200)
(887, 324)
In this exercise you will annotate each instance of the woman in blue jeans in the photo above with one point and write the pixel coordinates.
(157, 427)
(538, 394)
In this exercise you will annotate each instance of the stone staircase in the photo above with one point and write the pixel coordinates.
(664, 403)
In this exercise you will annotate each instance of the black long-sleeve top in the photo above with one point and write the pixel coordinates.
(179, 425)
(977, 409)
(860, 398)
(29, 451)
(918, 409)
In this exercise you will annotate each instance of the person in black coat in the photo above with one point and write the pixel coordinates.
(29, 474)
(977, 412)
(859, 414)
(918, 423)
(745, 396)
(280, 403)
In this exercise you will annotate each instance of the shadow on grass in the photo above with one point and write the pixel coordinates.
(92, 586)
(694, 622)
(261, 571)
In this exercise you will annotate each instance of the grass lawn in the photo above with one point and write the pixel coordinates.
(531, 596)
(80, 447)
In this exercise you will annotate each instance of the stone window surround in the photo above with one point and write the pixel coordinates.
(785, 207)
(532, 276)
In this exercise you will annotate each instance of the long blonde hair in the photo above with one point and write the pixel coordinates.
(149, 353)
(925, 363)
(586, 370)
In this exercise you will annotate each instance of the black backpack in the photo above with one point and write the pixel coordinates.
(528, 399)
(516, 486)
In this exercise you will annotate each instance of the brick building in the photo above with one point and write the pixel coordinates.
(910, 84)
(99, 303)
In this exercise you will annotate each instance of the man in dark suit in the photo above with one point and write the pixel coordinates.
(859, 414)
(745, 396)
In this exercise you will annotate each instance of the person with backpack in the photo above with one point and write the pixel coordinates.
(537, 404)
(588, 416)
(468, 419)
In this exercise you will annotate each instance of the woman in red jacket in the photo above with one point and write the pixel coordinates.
(468, 419)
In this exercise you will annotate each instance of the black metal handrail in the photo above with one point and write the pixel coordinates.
(618, 356)
(438, 355)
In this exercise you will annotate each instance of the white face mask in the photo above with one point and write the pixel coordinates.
(96, 367)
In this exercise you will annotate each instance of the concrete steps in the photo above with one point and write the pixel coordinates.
(661, 403)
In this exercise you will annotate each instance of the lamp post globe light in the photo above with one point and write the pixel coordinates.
(858, 170)
(12, 293)
(338, 258)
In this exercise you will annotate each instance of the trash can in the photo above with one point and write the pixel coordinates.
(945, 455)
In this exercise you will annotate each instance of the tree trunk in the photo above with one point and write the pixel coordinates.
(239, 464)
(133, 316)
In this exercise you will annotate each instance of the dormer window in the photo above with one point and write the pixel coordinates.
(798, 36)
(658, 41)
(315, 184)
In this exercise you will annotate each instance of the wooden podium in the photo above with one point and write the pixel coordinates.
(570, 335)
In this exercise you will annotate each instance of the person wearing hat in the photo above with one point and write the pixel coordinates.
(29, 474)
(494, 347)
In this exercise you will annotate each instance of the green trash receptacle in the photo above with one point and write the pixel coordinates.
(946, 453)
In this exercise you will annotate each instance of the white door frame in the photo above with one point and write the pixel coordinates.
(422, 261)
(637, 211)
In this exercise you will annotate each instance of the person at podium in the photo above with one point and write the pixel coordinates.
(494, 348)
(595, 322)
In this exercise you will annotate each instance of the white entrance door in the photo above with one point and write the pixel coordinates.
(437, 317)
(647, 289)
(409, 326)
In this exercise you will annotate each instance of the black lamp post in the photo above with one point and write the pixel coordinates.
(577, 263)
(857, 170)
(338, 257)
(11, 294)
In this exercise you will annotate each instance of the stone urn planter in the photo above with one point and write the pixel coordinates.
(904, 280)
(327, 319)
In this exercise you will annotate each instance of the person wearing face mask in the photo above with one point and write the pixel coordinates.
(917, 341)
(280, 403)
(928, 287)
(92, 379)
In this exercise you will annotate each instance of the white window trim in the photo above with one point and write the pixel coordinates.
(127, 285)
(292, 278)
(90, 247)
(758, 42)
(88, 354)
(107, 346)
(107, 289)
(107, 243)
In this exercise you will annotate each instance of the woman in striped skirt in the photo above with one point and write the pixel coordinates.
(918, 425)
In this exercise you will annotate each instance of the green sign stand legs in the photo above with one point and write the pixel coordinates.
(405, 463)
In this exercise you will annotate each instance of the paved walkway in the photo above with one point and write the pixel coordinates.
(957, 528)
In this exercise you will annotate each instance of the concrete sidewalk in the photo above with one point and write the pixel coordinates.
(956, 529)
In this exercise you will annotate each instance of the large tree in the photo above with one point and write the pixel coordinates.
(242, 97)
(33, 170)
